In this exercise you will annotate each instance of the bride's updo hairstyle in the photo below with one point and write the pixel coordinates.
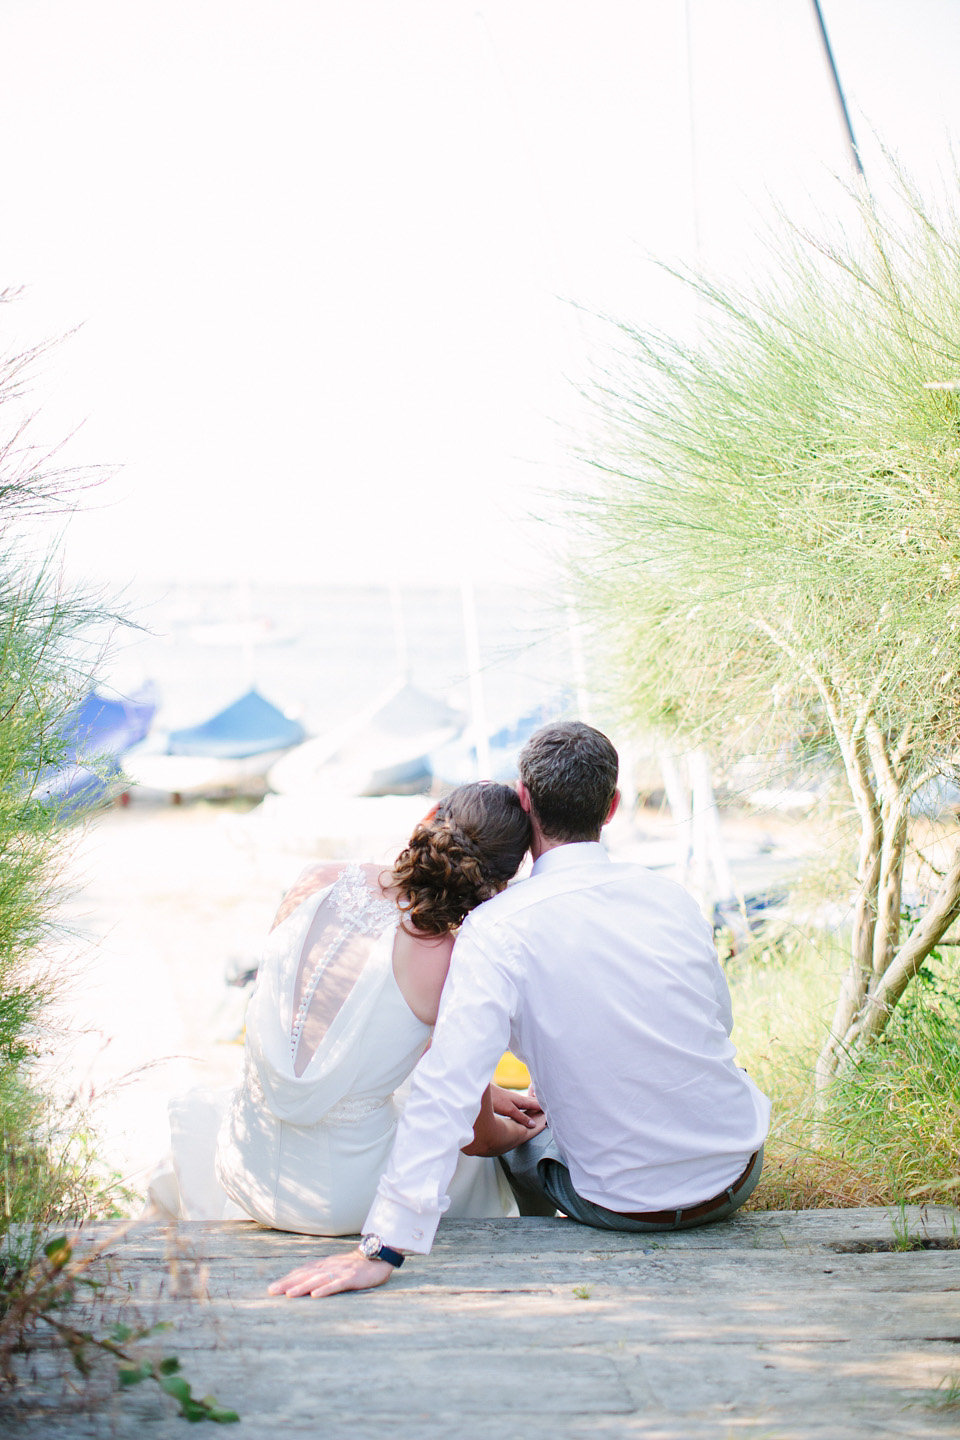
(463, 852)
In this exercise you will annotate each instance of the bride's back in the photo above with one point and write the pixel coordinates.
(348, 922)
(342, 1011)
(330, 1037)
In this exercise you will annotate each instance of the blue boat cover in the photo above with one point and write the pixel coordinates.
(95, 734)
(250, 726)
(98, 726)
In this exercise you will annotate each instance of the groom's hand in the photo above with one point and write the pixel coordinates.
(333, 1275)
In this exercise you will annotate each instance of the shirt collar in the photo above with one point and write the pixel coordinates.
(565, 857)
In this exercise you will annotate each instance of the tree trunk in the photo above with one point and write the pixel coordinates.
(876, 773)
(856, 981)
(870, 993)
(887, 988)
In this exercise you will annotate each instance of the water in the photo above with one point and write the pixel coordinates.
(321, 653)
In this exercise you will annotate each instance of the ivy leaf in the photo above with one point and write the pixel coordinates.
(190, 1407)
(176, 1386)
(133, 1374)
(58, 1251)
(219, 1413)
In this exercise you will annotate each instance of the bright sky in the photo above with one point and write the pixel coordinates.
(323, 255)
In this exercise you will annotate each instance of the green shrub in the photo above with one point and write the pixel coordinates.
(887, 1131)
(46, 665)
(896, 1110)
(770, 548)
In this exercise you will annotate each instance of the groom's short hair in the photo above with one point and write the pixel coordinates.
(570, 772)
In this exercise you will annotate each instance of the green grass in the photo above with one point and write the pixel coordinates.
(890, 1131)
(898, 1106)
(947, 1394)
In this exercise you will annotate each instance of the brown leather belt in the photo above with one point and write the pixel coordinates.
(691, 1212)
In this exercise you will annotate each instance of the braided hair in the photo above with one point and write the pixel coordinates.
(464, 852)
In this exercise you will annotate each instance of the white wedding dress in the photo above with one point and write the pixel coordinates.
(302, 1142)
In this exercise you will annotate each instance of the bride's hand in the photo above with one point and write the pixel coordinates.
(526, 1130)
(515, 1105)
(333, 1275)
(496, 1134)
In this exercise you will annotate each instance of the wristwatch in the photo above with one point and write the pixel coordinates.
(374, 1249)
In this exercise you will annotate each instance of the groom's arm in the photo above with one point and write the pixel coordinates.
(473, 1029)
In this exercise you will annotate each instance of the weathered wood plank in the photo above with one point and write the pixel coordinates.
(756, 1328)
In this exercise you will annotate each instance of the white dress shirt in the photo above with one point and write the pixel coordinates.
(603, 978)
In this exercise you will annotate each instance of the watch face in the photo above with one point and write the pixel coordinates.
(370, 1246)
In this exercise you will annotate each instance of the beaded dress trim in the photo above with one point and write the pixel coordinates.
(350, 1111)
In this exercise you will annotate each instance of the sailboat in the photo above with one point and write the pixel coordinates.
(382, 750)
(227, 754)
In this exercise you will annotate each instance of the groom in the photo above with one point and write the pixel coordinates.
(604, 979)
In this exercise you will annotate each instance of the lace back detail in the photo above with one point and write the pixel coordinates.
(335, 951)
(357, 905)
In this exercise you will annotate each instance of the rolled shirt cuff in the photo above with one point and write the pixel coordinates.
(400, 1227)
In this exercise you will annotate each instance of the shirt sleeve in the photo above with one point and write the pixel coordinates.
(473, 1029)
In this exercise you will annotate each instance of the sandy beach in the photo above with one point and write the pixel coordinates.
(168, 900)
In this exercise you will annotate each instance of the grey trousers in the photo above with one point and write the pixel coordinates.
(541, 1182)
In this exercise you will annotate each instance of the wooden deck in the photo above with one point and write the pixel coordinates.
(774, 1326)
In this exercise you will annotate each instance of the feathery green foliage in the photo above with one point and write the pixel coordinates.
(790, 472)
(772, 547)
(44, 669)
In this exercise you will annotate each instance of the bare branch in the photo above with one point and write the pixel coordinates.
(934, 924)
(902, 752)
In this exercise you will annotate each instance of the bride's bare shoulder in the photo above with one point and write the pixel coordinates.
(315, 877)
(420, 964)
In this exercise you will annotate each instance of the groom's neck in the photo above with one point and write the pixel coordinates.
(542, 843)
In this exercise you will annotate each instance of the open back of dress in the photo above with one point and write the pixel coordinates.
(349, 920)
(323, 974)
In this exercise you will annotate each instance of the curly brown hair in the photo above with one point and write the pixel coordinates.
(464, 852)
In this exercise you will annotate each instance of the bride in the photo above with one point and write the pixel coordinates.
(347, 993)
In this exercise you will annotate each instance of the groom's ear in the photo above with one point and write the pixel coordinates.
(614, 807)
(523, 795)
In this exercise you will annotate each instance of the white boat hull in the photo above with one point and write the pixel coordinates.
(195, 775)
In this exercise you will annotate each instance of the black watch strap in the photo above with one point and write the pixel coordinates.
(392, 1257)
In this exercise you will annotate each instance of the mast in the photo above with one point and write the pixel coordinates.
(478, 709)
(838, 90)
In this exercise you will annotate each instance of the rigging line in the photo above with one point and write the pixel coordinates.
(691, 120)
(841, 101)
